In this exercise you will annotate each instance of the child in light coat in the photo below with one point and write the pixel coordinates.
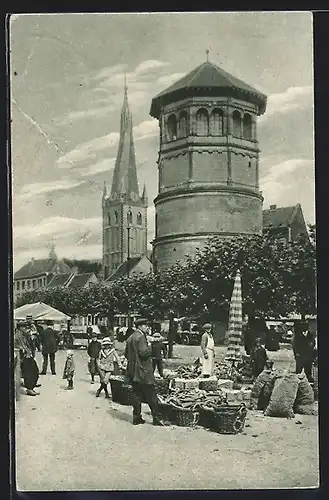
(69, 369)
(107, 359)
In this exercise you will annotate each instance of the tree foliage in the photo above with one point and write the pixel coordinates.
(277, 279)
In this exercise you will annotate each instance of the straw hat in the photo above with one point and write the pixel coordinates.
(206, 326)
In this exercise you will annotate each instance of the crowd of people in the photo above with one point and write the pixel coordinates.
(143, 355)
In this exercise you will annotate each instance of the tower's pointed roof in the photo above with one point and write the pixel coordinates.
(125, 172)
(211, 80)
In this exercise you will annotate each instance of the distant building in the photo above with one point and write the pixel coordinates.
(285, 223)
(73, 280)
(124, 209)
(38, 273)
(208, 164)
(135, 266)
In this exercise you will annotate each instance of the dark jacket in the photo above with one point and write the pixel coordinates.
(138, 354)
(258, 358)
(49, 340)
(94, 348)
(304, 346)
(157, 348)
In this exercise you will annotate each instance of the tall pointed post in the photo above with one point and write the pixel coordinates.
(233, 353)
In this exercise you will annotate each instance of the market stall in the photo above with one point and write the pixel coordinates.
(40, 312)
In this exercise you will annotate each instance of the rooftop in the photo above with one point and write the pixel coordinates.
(278, 217)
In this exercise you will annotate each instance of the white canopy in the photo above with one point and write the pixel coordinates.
(40, 311)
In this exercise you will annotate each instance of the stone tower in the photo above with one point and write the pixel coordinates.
(208, 175)
(124, 210)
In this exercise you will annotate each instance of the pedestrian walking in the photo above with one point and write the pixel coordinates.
(258, 357)
(69, 368)
(93, 350)
(140, 373)
(303, 347)
(158, 350)
(49, 340)
(107, 359)
(207, 351)
(29, 368)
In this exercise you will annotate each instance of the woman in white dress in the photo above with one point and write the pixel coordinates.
(207, 351)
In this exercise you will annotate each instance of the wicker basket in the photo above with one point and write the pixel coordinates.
(162, 385)
(121, 392)
(183, 417)
(165, 411)
(226, 419)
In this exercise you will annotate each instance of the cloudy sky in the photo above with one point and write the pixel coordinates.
(67, 74)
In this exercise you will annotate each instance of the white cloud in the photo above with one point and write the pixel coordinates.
(147, 128)
(150, 64)
(88, 150)
(166, 80)
(285, 102)
(108, 71)
(105, 165)
(275, 183)
(87, 113)
(39, 188)
(54, 226)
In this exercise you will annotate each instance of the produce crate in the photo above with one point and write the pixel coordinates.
(121, 391)
(165, 411)
(208, 384)
(226, 419)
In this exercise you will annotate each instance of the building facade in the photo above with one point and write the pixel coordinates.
(124, 209)
(38, 273)
(285, 223)
(208, 164)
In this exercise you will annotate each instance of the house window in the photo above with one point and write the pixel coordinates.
(34, 283)
(109, 220)
(139, 219)
(28, 284)
(18, 285)
(129, 217)
(202, 122)
(116, 217)
(216, 122)
(23, 285)
(247, 127)
(172, 128)
(182, 124)
(236, 124)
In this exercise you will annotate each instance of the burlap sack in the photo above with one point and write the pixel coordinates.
(283, 396)
(262, 379)
(305, 394)
(307, 409)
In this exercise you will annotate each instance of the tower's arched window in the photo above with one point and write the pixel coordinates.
(172, 128)
(109, 220)
(129, 217)
(116, 217)
(236, 124)
(182, 124)
(139, 219)
(202, 122)
(247, 127)
(216, 122)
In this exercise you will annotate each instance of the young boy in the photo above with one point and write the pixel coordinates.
(69, 369)
(94, 348)
(107, 359)
(157, 348)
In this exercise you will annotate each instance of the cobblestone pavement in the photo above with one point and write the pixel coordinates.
(70, 440)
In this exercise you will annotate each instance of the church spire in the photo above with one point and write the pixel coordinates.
(104, 190)
(125, 171)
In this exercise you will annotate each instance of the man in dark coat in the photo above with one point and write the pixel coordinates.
(49, 341)
(140, 373)
(303, 347)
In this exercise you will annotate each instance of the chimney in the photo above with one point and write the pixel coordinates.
(272, 207)
(74, 269)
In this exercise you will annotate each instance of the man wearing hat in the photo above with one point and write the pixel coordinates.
(140, 372)
(207, 351)
(49, 340)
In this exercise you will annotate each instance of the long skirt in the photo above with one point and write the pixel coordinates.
(208, 364)
(30, 373)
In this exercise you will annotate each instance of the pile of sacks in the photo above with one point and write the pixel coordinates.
(282, 394)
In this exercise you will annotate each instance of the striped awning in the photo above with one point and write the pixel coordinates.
(235, 323)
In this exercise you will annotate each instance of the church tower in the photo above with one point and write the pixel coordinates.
(208, 175)
(124, 209)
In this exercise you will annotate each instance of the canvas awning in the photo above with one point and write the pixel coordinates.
(40, 311)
